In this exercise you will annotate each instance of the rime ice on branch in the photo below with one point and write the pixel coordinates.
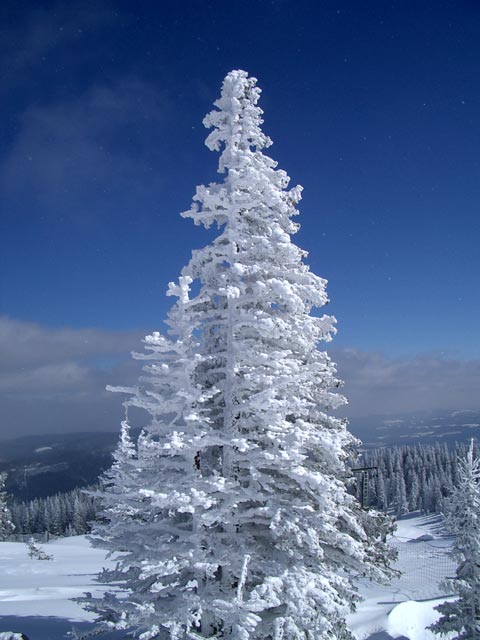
(236, 520)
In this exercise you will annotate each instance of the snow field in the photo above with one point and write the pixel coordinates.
(405, 607)
(41, 591)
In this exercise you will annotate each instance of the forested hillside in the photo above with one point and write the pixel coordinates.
(63, 514)
(411, 478)
(401, 479)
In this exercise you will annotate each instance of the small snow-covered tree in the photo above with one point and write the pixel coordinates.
(116, 482)
(37, 553)
(6, 525)
(462, 616)
(414, 491)
(382, 503)
(401, 503)
(233, 519)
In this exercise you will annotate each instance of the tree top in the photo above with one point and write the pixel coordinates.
(237, 122)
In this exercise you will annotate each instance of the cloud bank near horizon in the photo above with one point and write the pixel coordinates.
(53, 379)
(376, 384)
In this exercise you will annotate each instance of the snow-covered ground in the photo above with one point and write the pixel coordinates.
(405, 607)
(35, 595)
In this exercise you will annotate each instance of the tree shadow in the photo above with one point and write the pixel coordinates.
(383, 635)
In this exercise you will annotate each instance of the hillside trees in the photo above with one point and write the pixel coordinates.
(413, 477)
(62, 514)
(235, 521)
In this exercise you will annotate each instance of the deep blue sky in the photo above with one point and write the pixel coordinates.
(374, 107)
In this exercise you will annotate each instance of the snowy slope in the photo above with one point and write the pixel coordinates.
(403, 608)
(35, 595)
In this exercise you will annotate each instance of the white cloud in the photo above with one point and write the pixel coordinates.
(54, 379)
(73, 156)
(66, 376)
(39, 32)
(26, 345)
(376, 384)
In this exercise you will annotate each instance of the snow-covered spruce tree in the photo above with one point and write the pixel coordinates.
(154, 490)
(6, 525)
(37, 553)
(242, 524)
(462, 616)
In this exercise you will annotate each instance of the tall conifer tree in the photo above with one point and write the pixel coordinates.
(243, 528)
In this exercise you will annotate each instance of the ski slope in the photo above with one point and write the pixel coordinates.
(35, 595)
(405, 607)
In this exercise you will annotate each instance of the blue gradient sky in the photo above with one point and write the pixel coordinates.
(373, 107)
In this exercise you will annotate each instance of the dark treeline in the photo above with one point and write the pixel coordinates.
(408, 478)
(411, 478)
(64, 514)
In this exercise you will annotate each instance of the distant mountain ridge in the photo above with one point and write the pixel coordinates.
(417, 428)
(42, 465)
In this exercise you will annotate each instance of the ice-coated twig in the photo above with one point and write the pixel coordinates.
(243, 578)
